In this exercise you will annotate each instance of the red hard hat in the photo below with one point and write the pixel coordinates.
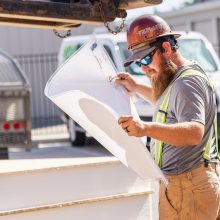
(142, 32)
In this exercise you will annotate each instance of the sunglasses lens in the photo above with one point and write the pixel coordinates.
(138, 63)
(146, 60)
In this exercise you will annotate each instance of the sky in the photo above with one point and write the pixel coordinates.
(167, 5)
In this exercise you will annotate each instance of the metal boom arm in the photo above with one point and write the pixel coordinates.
(65, 14)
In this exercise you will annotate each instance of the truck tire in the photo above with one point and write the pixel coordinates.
(77, 134)
(4, 153)
(79, 140)
(218, 145)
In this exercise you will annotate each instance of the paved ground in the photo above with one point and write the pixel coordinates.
(59, 150)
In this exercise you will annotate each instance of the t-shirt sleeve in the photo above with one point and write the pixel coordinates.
(189, 100)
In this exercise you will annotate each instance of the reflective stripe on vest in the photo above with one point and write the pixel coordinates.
(162, 114)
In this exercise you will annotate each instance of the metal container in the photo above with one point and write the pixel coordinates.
(15, 108)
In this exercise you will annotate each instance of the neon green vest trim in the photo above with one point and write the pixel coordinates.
(161, 118)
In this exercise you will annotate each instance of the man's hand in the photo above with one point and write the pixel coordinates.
(127, 81)
(144, 91)
(132, 126)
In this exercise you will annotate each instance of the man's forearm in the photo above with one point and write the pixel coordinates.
(180, 134)
(146, 93)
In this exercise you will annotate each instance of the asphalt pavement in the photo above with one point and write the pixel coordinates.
(59, 150)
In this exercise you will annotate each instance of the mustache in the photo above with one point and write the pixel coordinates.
(151, 71)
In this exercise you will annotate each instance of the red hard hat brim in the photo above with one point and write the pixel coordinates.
(144, 51)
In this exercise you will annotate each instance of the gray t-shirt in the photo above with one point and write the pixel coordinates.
(191, 99)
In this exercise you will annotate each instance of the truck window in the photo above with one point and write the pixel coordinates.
(109, 53)
(195, 49)
(71, 49)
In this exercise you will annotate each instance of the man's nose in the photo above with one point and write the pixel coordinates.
(145, 69)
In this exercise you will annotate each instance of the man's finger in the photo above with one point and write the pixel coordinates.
(125, 124)
(122, 75)
(120, 81)
(124, 119)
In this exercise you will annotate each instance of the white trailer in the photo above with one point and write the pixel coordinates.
(15, 113)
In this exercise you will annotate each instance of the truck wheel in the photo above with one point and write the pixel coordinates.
(77, 134)
(4, 153)
(79, 140)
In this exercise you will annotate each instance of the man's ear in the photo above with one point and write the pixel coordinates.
(166, 48)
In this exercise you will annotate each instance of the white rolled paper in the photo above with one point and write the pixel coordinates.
(83, 87)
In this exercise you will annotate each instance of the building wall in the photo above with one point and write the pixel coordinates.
(23, 41)
(36, 51)
(204, 17)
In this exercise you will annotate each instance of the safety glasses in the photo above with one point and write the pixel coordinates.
(147, 59)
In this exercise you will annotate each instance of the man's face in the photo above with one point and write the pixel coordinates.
(160, 72)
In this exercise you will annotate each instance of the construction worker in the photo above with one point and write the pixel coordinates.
(184, 128)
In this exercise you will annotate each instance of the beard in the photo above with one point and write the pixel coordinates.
(165, 76)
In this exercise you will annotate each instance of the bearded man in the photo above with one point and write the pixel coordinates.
(183, 131)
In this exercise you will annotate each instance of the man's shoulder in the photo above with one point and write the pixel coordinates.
(189, 82)
(183, 82)
(193, 73)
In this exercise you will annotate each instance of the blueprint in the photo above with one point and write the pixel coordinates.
(83, 87)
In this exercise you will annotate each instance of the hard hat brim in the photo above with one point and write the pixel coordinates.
(144, 51)
(140, 53)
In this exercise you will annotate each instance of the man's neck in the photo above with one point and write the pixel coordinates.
(179, 60)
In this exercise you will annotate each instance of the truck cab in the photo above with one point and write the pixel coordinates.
(193, 46)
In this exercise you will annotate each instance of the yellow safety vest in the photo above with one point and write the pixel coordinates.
(161, 117)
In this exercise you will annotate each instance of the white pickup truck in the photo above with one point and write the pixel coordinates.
(193, 46)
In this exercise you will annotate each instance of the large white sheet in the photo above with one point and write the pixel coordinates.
(84, 88)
